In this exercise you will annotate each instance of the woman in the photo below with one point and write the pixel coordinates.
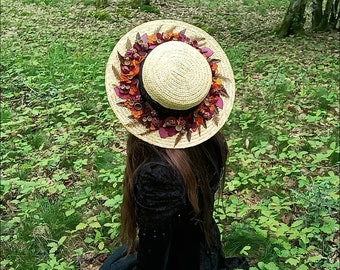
(172, 87)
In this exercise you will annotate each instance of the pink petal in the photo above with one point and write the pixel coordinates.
(120, 94)
(195, 44)
(163, 132)
(144, 38)
(159, 36)
(206, 51)
(219, 103)
(171, 131)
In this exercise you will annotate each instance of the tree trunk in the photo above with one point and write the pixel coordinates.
(316, 13)
(324, 24)
(335, 15)
(322, 19)
(294, 19)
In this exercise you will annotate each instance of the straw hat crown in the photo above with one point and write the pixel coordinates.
(181, 77)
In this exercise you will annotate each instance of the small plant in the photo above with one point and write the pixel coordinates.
(100, 15)
(144, 5)
(101, 3)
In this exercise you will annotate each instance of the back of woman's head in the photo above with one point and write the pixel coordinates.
(197, 165)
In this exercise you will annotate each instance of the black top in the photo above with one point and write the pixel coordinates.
(167, 224)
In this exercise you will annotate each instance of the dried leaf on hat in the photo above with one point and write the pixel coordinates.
(178, 138)
(222, 77)
(158, 29)
(224, 91)
(189, 132)
(121, 104)
(128, 44)
(146, 132)
(132, 123)
(115, 72)
(121, 58)
(204, 124)
(216, 119)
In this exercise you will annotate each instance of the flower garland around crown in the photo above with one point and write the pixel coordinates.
(141, 110)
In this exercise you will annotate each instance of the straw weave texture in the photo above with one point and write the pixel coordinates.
(176, 75)
(224, 71)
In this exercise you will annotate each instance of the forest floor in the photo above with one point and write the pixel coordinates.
(63, 149)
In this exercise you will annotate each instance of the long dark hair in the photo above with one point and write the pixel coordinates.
(192, 165)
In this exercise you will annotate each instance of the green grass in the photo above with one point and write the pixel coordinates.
(63, 149)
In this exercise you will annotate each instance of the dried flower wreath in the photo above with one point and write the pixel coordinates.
(142, 111)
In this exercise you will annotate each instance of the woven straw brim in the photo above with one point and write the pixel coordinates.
(224, 71)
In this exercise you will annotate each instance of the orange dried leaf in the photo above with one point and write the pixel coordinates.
(214, 67)
(133, 90)
(199, 120)
(136, 114)
(152, 38)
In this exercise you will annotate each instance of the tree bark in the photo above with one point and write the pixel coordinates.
(294, 19)
(324, 24)
(335, 15)
(316, 13)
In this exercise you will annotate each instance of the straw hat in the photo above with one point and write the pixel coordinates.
(170, 83)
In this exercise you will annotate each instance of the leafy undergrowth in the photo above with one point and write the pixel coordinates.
(63, 150)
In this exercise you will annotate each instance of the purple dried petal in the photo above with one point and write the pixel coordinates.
(171, 131)
(143, 53)
(182, 33)
(125, 69)
(194, 43)
(129, 53)
(120, 93)
(137, 47)
(182, 36)
(163, 132)
(144, 38)
(159, 36)
(219, 103)
(135, 81)
(206, 51)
